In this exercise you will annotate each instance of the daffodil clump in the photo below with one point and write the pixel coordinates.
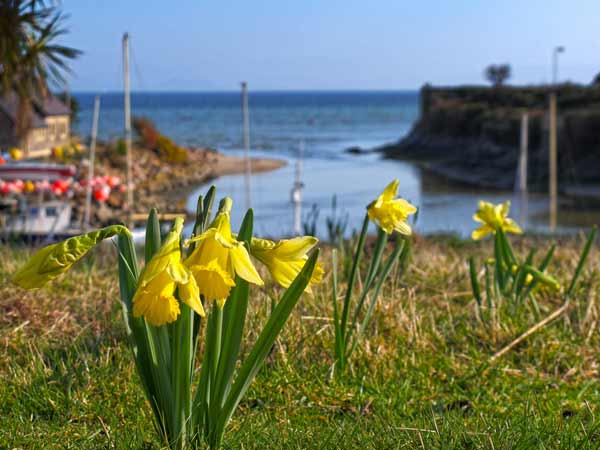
(390, 215)
(184, 287)
(509, 282)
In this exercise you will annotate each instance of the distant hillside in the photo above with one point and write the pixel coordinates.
(471, 134)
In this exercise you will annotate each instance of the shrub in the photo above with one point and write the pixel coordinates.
(163, 145)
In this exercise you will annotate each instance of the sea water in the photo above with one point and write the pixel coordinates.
(327, 124)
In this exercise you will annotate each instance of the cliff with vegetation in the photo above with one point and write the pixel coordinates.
(471, 135)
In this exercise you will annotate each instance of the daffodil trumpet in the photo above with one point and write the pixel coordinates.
(390, 215)
(166, 303)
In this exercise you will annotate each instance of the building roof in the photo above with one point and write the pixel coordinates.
(52, 106)
(49, 106)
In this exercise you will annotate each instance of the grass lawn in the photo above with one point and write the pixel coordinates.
(421, 379)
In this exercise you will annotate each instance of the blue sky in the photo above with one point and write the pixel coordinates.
(328, 44)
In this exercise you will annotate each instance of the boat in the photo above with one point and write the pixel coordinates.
(28, 215)
(35, 171)
(45, 222)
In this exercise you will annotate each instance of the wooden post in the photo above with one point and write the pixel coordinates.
(92, 158)
(126, 90)
(523, 168)
(246, 131)
(553, 187)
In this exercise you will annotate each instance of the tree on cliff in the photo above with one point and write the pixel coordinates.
(30, 56)
(497, 74)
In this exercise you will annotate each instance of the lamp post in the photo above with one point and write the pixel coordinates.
(557, 50)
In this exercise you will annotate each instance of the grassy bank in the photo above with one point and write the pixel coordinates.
(422, 380)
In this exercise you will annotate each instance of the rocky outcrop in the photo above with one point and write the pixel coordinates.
(471, 135)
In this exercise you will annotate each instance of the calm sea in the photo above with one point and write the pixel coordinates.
(328, 123)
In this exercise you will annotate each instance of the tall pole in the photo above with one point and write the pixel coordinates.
(557, 50)
(523, 167)
(92, 159)
(246, 130)
(126, 89)
(553, 187)
(297, 192)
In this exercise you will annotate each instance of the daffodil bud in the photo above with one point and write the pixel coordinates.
(53, 260)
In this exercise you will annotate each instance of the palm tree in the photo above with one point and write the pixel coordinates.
(30, 59)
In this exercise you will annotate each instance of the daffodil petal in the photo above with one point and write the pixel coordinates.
(504, 208)
(406, 207)
(477, 218)
(403, 228)
(284, 273)
(169, 253)
(481, 232)
(390, 190)
(178, 272)
(295, 248)
(243, 265)
(189, 293)
(511, 226)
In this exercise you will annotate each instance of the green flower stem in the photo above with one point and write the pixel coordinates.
(400, 249)
(357, 256)
(373, 268)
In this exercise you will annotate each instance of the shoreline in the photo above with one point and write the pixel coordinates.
(471, 135)
(165, 185)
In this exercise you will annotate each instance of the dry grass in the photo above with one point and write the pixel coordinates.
(421, 379)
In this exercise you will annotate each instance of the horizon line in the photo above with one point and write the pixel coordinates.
(231, 91)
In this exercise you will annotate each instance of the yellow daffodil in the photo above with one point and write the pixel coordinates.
(53, 260)
(286, 258)
(389, 212)
(164, 275)
(218, 257)
(494, 217)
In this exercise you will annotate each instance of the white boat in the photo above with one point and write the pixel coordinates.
(31, 216)
(46, 221)
(46, 218)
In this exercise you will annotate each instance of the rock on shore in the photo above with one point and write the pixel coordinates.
(161, 184)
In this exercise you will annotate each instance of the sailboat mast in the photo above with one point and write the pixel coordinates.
(92, 160)
(246, 130)
(126, 89)
(297, 192)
